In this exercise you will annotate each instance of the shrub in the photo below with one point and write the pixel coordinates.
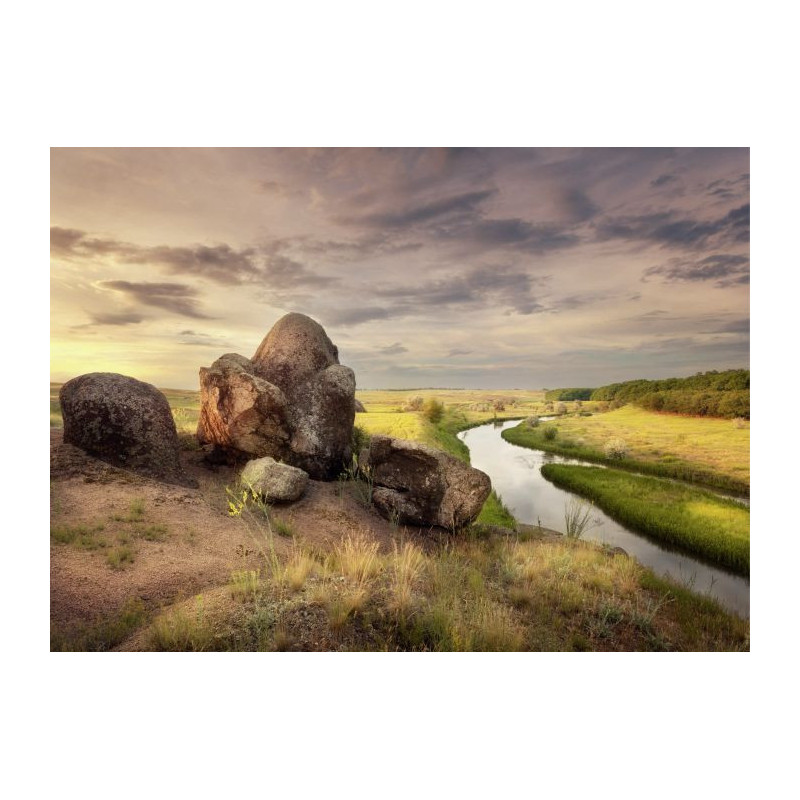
(498, 405)
(550, 433)
(414, 403)
(360, 439)
(560, 408)
(616, 448)
(432, 410)
(532, 422)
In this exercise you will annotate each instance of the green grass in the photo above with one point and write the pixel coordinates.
(696, 521)
(103, 634)
(709, 452)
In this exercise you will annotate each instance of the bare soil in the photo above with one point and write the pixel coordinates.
(200, 547)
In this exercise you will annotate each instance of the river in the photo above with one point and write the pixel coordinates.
(516, 477)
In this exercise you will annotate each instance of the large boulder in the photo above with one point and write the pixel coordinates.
(292, 401)
(275, 482)
(124, 422)
(422, 485)
(360, 408)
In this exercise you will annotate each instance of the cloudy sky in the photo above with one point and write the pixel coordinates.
(496, 268)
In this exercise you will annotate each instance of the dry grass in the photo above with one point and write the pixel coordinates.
(716, 444)
(406, 567)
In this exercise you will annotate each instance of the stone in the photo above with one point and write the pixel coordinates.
(292, 401)
(360, 408)
(275, 482)
(124, 422)
(421, 485)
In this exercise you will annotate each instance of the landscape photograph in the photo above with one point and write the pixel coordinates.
(399, 399)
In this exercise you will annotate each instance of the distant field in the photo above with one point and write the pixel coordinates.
(714, 443)
(703, 449)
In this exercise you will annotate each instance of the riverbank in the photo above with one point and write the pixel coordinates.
(692, 519)
(707, 452)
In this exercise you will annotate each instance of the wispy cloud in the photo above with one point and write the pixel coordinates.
(723, 269)
(176, 298)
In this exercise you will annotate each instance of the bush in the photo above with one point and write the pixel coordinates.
(414, 403)
(432, 410)
(616, 448)
(561, 409)
(532, 422)
(550, 433)
(359, 440)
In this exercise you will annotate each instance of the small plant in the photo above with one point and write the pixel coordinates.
(282, 527)
(532, 422)
(180, 630)
(136, 510)
(616, 448)
(120, 556)
(360, 439)
(406, 568)
(154, 533)
(433, 410)
(550, 433)
(577, 517)
(560, 409)
(357, 558)
(414, 403)
(245, 584)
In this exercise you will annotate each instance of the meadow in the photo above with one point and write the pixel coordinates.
(713, 452)
(691, 519)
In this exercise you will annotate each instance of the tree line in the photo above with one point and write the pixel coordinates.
(706, 394)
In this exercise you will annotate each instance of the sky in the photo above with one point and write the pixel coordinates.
(437, 267)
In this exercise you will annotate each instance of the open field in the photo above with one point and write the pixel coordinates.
(694, 520)
(710, 451)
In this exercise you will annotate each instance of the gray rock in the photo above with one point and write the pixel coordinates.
(123, 422)
(360, 408)
(422, 485)
(275, 482)
(293, 401)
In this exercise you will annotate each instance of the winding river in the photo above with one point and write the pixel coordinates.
(516, 477)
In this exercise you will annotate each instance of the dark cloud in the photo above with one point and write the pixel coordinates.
(723, 269)
(174, 297)
(115, 318)
(578, 206)
(664, 229)
(282, 273)
(507, 287)
(221, 263)
(519, 234)
(354, 315)
(195, 339)
(459, 204)
(663, 180)
(393, 349)
(737, 326)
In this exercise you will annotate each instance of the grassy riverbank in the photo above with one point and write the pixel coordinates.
(696, 521)
(711, 452)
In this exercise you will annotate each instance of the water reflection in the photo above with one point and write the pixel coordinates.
(516, 476)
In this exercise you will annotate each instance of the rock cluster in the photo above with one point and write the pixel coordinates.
(422, 485)
(124, 422)
(292, 401)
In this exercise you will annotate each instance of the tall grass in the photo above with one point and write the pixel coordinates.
(697, 521)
